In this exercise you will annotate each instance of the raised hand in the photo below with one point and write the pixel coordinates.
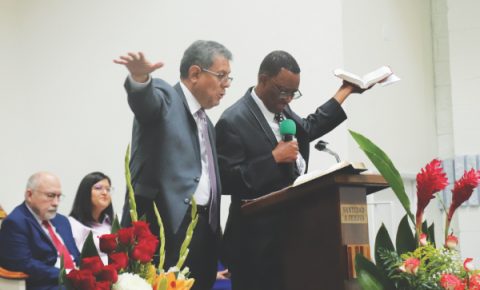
(138, 66)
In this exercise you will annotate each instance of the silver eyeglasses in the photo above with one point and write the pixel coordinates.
(222, 77)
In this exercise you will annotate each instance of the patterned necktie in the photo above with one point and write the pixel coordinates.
(213, 213)
(278, 117)
(61, 249)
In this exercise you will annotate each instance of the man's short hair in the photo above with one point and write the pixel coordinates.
(275, 61)
(202, 53)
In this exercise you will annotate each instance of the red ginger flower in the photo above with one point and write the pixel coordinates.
(462, 190)
(430, 180)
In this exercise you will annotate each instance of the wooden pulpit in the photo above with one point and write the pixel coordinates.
(326, 225)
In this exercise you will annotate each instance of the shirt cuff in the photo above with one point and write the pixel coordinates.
(136, 86)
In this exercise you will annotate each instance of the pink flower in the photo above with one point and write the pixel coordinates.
(462, 190)
(423, 239)
(468, 265)
(430, 180)
(451, 282)
(410, 266)
(451, 242)
(475, 282)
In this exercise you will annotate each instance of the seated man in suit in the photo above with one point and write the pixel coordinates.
(34, 236)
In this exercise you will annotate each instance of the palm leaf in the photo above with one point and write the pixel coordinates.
(386, 168)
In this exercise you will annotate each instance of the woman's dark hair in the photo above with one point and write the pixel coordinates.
(82, 205)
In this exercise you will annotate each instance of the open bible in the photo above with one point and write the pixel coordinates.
(343, 166)
(382, 75)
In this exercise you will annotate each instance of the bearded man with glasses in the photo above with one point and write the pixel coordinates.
(254, 161)
(34, 237)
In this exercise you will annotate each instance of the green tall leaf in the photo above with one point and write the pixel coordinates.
(405, 241)
(431, 234)
(161, 238)
(131, 194)
(89, 249)
(188, 236)
(382, 241)
(115, 225)
(369, 276)
(386, 168)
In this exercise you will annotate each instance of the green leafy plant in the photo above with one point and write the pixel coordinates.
(415, 262)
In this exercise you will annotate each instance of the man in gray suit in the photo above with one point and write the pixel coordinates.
(173, 151)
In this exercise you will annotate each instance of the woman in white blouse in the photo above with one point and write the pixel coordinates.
(92, 210)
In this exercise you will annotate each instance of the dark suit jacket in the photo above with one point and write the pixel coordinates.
(248, 170)
(26, 247)
(165, 162)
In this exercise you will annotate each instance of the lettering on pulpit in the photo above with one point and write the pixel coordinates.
(354, 213)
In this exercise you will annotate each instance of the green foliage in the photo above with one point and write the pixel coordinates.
(382, 241)
(386, 168)
(405, 241)
(131, 194)
(369, 276)
(162, 238)
(89, 249)
(188, 236)
(115, 225)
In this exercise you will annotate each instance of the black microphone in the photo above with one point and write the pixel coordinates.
(322, 146)
(288, 129)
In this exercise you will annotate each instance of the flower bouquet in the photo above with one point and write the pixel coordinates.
(415, 262)
(130, 256)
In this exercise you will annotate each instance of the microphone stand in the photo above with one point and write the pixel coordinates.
(322, 146)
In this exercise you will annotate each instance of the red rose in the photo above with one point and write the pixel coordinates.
(81, 279)
(94, 264)
(142, 253)
(108, 243)
(103, 285)
(118, 260)
(149, 244)
(108, 273)
(141, 229)
(125, 236)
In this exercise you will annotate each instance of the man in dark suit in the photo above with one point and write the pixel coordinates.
(254, 161)
(34, 236)
(173, 151)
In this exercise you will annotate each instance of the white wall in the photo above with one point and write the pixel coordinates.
(63, 106)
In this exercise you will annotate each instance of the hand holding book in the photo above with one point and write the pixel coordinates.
(383, 75)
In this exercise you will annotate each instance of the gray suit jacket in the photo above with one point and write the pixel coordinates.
(165, 160)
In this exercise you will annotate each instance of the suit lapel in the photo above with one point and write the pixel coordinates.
(191, 120)
(257, 114)
(33, 221)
